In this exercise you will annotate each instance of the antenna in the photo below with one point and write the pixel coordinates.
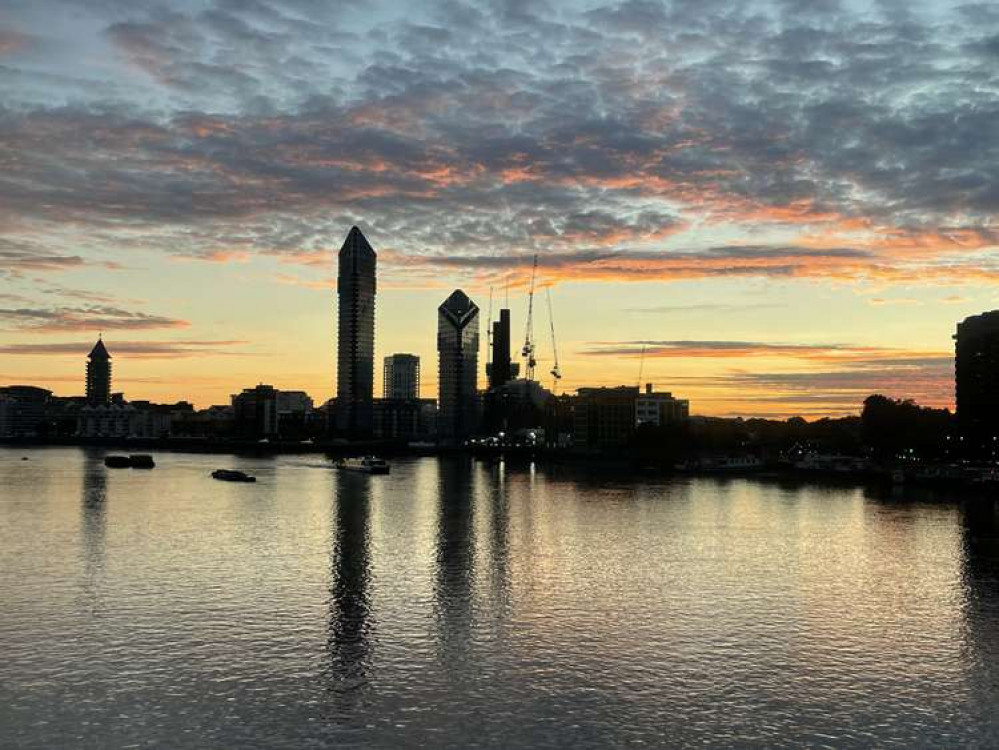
(555, 371)
(641, 365)
(528, 351)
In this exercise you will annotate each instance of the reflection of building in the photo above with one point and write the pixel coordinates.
(458, 357)
(255, 412)
(99, 375)
(976, 369)
(23, 411)
(355, 335)
(660, 409)
(350, 603)
(401, 377)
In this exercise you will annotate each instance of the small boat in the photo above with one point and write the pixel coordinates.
(365, 464)
(231, 475)
(117, 462)
(141, 461)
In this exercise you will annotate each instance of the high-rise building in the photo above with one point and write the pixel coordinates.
(458, 357)
(501, 369)
(401, 377)
(99, 375)
(356, 335)
(976, 370)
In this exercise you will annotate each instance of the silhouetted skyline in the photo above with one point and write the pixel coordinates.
(782, 202)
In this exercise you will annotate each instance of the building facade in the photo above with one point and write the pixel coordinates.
(604, 418)
(976, 373)
(99, 375)
(458, 362)
(23, 411)
(355, 336)
(255, 413)
(660, 409)
(501, 370)
(401, 377)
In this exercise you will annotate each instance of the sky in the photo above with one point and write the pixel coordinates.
(787, 205)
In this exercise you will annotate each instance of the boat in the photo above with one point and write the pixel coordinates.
(364, 464)
(141, 461)
(117, 462)
(231, 475)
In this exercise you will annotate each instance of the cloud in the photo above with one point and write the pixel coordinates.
(91, 318)
(132, 349)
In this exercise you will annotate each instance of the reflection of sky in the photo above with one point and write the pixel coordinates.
(770, 173)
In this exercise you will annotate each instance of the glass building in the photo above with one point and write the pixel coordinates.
(458, 358)
(401, 377)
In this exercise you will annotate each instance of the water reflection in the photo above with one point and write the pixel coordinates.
(981, 569)
(351, 622)
(93, 521)
(455, 563)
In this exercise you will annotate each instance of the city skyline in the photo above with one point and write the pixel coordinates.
(786, 206)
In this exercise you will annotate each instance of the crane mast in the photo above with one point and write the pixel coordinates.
(556, 372)
(528, 351)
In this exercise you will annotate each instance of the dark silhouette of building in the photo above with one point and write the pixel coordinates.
(23, 411)
(356, 335)
(660, 409)
(401, 377)
(501, 370)
(604, 418)
(404, 419)
(516, 406)
(99, 375)
(458, 357)
(255, 412)
(976, 369)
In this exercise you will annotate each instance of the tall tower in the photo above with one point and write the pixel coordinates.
(501, 370)
(458, 358)
(99, 375)
(976, 370)
(401, 377)
(355, 335)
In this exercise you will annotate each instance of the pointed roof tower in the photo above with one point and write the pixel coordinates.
(458, 308)
(99, 351)
(357, 243)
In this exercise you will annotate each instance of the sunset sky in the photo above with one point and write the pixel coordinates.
(788, 204)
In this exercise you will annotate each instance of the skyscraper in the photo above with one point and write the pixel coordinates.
(976, 370)
(355, 335)
(501, 370)
(458, 358)
(99, 375)
(401, 377)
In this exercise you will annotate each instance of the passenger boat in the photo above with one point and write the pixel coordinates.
(365, 464)
(231, 475)
(141, 461)
(117, 462)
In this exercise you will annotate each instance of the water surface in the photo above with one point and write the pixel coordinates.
(457, 603)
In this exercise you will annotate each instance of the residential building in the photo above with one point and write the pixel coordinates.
(660, 409)
(355, 335)
(99, 375)
(255, 413)
(976, 370)
(401, 377)
(604, 418)
(458, 357)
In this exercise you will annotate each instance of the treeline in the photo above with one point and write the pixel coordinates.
(887, 429)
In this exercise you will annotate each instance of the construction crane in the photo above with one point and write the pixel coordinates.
(528, 351)
(641, 365)
(556, 372)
